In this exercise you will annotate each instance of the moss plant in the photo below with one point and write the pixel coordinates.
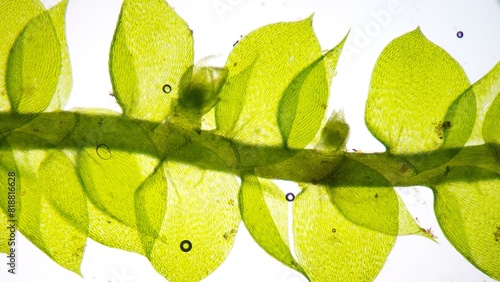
(161, 179)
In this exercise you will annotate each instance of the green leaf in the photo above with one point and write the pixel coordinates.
(4, 234)
(35, 64)
(63, 90)
(301, 108)
(53, 214)
(407, 224)
(364, 197)
(469, 214)
(491, 132)
(415, 104)
(260, 68)
(64, 208)
(110, 165)
(485, 90)
(201, 207)
(15, 15)
(150, 59)
(331, 247)
(264, 211)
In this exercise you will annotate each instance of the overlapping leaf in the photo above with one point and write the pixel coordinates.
(35, 63)
(4, 234)
(491, 125)
(485, 90)
(15, 15)
(469, 214)
(277, 87)
(44, 176)
(37, 71)
(112, 164)
(264, 211)
(416, 105)
(201, 215)
(150, 59)
(331, 247)
(366, 198)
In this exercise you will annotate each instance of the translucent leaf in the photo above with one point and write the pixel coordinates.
(414, 104)
(201, 216)
(407, 224)
(366, 198)
(34, 64)
(264, 210)
(64, 207)
(485, 90)
(53, 216)
(63, 90)
(260, 68)
(5, 234)
(15, 15)
(491, 126)
(469, 214)
(110, 165)
(150, 59)
(302, 106)
(329, 246)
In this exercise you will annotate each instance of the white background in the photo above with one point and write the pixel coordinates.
(219, 24)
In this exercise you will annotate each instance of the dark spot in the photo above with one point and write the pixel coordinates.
(447, 170)
(109, 221)
(376, 195)
(186, 246)
(235, 64)
(36, 129)
(103, 152)
(167, 88)
(290, 197)
(497, 234)
(198, 131)
(229, 234)
(314, 181)
(460, 34)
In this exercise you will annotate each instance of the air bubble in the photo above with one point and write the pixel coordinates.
(186, 246)
(103, 152)
(290, 197)
(167, 88)
(334, 230)
(460, 34)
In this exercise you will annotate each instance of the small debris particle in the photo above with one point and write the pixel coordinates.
(429, 232)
